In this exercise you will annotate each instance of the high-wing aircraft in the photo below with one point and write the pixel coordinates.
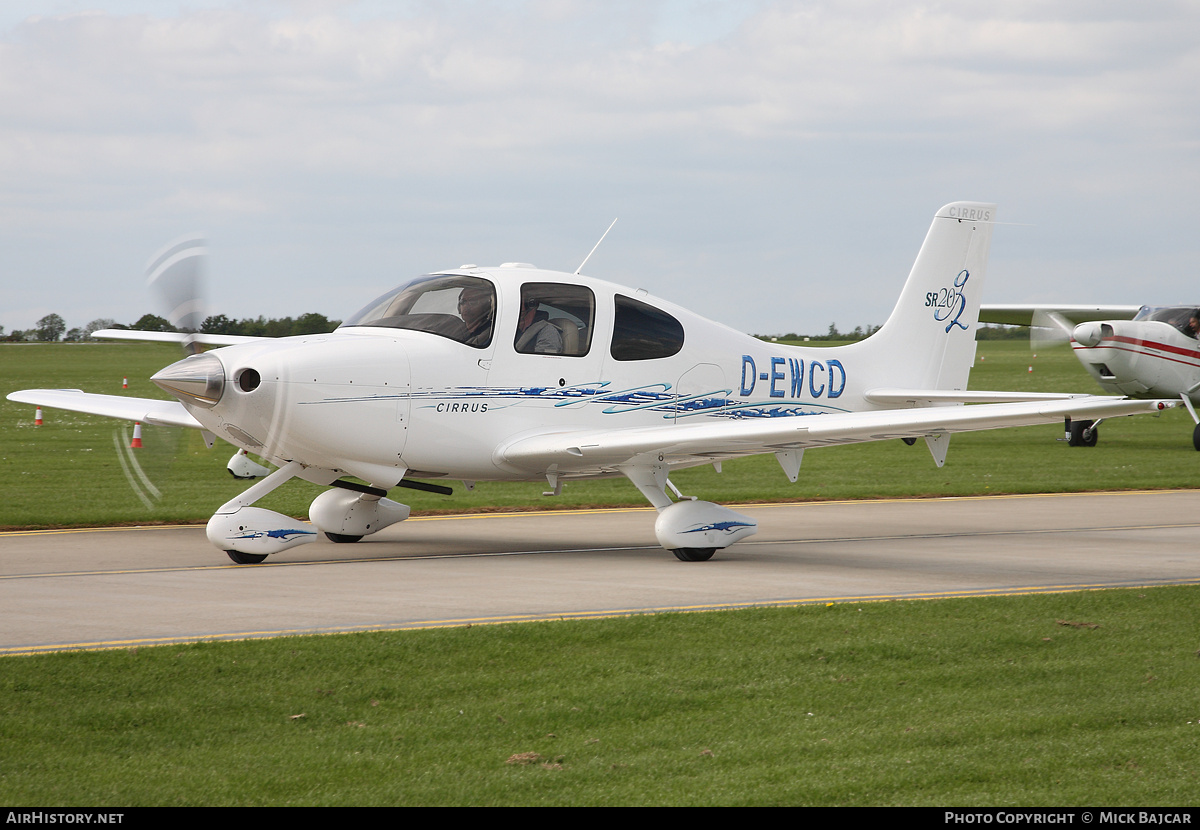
(1139, 351)
(516, 373)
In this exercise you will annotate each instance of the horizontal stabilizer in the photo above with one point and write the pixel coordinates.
(175, 337)
(145, 410)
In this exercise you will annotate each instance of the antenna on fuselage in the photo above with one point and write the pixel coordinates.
(594, 247)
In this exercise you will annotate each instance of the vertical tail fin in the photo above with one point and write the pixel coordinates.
(928, 342)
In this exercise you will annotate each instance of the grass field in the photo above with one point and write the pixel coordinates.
(1072, 699)
(1085, 699)
(68, 472)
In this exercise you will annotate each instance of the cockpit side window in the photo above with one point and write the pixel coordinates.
(643, 332)
(555, 319)
(457, 307)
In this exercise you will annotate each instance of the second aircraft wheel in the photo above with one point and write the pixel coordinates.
(694, 554)
(246, 558)
(1083, 434)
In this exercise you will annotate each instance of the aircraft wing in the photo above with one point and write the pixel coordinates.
(175, 337)
(605, 450)
(146, 410)
(1022, 315)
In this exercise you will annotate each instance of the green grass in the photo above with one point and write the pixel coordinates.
(971, 702)
(988, 702)
(66, 473)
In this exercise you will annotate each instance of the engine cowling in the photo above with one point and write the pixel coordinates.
(1088, 334)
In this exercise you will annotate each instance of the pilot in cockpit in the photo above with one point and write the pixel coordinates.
(1192, 327)
(476, 308)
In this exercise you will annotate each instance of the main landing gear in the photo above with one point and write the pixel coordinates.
(1082, 433)
(692, 530)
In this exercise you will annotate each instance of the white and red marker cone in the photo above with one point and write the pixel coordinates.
(37, 417)
(125, 383)
(136, 443)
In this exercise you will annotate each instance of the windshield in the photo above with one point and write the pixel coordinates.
(1178, 316)
(460, 308)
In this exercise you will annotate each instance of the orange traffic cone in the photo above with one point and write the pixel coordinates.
(136, 443)
(125, 383)
(37, 417)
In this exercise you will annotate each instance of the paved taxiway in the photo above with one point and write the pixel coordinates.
(124, 587)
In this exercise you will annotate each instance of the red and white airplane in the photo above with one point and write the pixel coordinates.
(1138, 351)
(515, 373)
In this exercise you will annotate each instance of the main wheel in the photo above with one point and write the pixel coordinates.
(1196, 437)
(694, 554)
(1083, 434)
(246, 558)
(341, 538)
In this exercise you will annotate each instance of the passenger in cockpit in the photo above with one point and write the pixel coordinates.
(535, 333)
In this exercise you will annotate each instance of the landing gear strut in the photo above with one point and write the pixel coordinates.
(687, 522)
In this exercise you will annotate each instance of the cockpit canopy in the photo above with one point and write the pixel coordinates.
(553, 318)
(458, 307)
(1174, 315)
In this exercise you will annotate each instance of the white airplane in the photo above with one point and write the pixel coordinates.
(514, 373)
(1139, 351)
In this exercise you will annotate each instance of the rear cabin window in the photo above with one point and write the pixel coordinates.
(643, 332)
(555, 319)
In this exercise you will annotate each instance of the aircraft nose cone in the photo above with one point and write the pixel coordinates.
(199, 379)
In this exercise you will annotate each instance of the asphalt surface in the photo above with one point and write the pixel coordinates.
(113, 588)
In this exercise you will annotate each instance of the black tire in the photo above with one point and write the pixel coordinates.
(909, 441)
(1196, 437)
(246, 558)
(341, 538)
(694, 554)
(1083, 434)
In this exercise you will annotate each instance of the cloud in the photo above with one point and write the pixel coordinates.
(480, 119)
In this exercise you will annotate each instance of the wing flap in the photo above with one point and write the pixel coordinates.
(591, 450)
(916, 396)
(146, 410)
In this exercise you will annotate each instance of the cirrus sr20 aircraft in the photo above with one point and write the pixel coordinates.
(514, 373)
(1139, 351)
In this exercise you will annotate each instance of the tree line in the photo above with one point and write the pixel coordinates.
(53, 329)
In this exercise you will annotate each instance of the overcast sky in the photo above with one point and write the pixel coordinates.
(774, 165)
